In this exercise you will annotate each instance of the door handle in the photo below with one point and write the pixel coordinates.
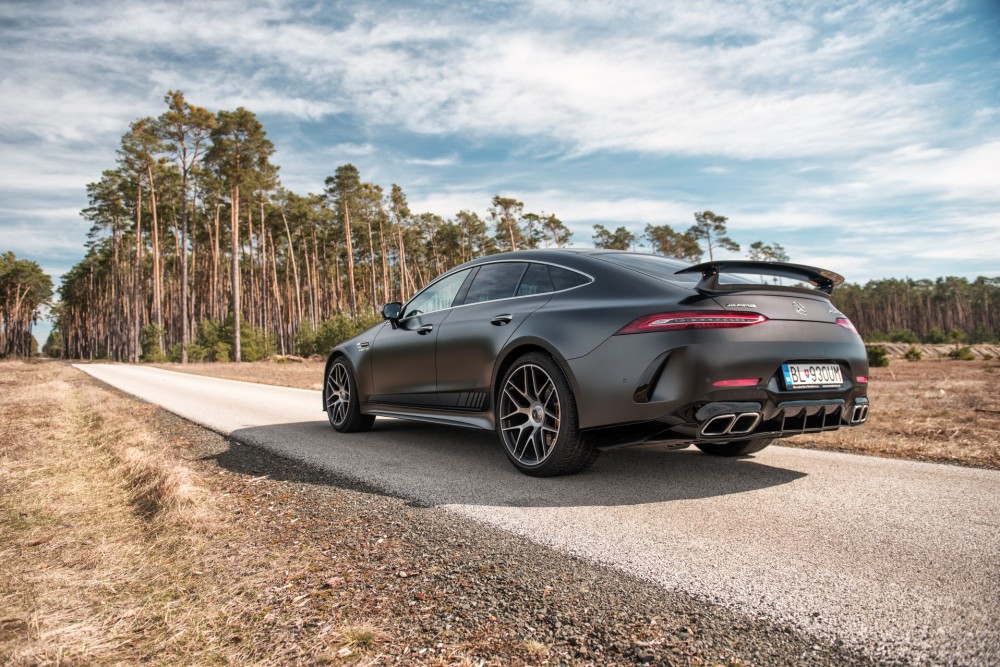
(501, 320)
(426, 329)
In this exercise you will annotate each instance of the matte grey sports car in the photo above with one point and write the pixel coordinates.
(567, 352)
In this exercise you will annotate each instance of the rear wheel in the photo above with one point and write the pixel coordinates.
(737, 448)
(343, 407)
(537, 420)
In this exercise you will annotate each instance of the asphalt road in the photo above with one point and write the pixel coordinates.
(897, 556)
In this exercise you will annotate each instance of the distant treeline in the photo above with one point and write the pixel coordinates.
(946, 310)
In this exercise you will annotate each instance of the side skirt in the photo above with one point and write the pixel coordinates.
(482, 421)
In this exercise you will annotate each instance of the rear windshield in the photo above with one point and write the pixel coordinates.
(664, 268)
(653, 265)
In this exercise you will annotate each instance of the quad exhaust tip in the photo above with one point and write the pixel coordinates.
(731, 424)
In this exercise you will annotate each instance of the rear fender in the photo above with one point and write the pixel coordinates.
(521, 346)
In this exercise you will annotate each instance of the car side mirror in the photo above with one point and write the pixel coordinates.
(392, 311)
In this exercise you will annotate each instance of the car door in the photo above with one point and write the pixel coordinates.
(500, 297)
(403, 357)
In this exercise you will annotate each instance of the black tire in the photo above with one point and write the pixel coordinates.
(340, 395)
(737, 448)
(537, 420)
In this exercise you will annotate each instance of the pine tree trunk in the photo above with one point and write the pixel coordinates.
(157, 277)
(137, 323)
(235, 222)
(350, 262)
(295, 270)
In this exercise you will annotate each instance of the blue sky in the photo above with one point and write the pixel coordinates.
(862, 136)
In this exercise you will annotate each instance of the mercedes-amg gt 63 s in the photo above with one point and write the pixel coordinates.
(565, 353)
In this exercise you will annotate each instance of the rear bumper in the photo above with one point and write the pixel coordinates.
(728, 421)
(660, 387)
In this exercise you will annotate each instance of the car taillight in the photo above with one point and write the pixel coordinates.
(846, 323)
(740, 382)
(862, 379)
(701, 319)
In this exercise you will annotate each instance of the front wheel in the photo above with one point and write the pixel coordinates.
(343, 408)
(537, 419)
(738, 448)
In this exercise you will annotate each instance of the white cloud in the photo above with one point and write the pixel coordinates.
(653, 81)
(447, 161)
(353, 150)
(971, 173)
(37, 239)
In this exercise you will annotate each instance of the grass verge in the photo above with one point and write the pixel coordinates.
(115, 549)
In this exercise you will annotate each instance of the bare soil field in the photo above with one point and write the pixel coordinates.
(128, 535)
(947, 411)
(931, 410)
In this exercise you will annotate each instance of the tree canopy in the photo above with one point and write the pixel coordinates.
(24, 290)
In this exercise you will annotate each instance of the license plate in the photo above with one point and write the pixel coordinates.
(811, 376)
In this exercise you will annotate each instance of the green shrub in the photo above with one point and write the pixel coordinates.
(151, 350)
(936, 336)
(963, 353)
(196, 353)
(215, 342)
(903, 336)
(878, 356)
(221, 352)
(331, 332)
(876, 337)
(255, 345)
(305, 339)
(913, 354)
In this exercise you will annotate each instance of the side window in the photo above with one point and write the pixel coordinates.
(495, 281)
(565, 279)
(535, 281)
(438, 296)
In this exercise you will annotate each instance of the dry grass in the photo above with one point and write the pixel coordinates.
(927, 410)
(931, 410)
(113, 549)
(305, 374)
(536, 648)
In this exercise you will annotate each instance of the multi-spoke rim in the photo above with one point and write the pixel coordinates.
(530, 414)
(338, 393)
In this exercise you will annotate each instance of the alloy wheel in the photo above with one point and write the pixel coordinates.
(530, 414)
(338, 393)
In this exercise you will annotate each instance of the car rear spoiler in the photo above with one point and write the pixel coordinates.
(821, 279)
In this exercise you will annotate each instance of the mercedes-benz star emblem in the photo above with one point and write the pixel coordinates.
(800, 309)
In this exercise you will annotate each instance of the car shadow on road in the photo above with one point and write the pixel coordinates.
(439, 465)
